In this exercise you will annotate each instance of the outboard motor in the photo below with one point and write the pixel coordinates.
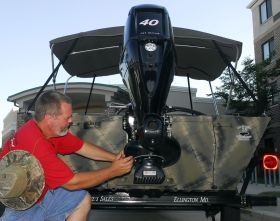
(147, 67)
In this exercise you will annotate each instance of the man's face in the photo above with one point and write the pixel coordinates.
(62, 122)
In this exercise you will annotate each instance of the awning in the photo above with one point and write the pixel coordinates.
(97, 52)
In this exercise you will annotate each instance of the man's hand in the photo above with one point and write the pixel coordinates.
(120, 155)
(122, 165)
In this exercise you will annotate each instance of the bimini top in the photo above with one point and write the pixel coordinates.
(97, 52)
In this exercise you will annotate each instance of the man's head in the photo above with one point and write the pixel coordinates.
(54, 109)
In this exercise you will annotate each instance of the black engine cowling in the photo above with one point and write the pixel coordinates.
(147, 67)
(148, 60)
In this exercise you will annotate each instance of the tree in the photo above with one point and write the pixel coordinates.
(257, 77)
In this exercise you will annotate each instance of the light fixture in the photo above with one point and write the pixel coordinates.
(270, 162)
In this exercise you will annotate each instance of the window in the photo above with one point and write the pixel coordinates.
(268, 49)
(265, 10)
(269, 144)
(274, 93)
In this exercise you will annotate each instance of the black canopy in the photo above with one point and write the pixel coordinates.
(97, 52)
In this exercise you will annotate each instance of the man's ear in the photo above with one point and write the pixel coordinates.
(48, 117)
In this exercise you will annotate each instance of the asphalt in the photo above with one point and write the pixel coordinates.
(261, 213)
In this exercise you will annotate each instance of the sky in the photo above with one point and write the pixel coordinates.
(28, 26)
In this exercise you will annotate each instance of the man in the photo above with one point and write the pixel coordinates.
(47, 135)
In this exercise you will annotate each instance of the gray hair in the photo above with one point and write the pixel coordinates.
(49, 103)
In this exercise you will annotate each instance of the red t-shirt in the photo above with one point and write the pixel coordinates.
(30, 138)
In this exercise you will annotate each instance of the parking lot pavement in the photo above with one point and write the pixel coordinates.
(260, 188)
(148, 215)
(261, 213)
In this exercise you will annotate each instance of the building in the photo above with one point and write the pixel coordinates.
(103, 97)
(266, 28)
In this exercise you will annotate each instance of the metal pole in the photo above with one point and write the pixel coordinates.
(256, 175)
(66, 84)
(265, 178)
(214, 100)
(52, 57)
(249, 171)
(91, 88)
(52, 74)
(190, 93)
(269, 177)
(232, 79)
(278, 173)
(227, 62)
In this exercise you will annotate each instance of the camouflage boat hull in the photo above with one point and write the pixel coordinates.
(215, 150)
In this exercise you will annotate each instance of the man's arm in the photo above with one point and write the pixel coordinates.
(95, 152)
(93, 178)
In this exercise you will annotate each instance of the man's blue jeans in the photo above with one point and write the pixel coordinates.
(57, 205)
